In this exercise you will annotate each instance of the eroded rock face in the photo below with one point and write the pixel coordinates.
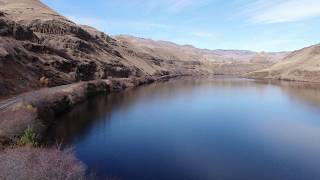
(10, 28)
(66, 66)
(86, 71)
(117, 71)
(59, 28)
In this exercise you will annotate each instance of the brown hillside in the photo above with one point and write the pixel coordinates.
(301, 65)
(38, 43)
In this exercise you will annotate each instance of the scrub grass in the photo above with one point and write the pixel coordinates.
(23, 163)
(30, 137)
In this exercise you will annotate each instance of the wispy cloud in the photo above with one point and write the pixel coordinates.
(279, 11)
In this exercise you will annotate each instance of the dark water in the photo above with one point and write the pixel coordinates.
(207, 129)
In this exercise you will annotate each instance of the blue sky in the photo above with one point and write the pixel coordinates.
(259, 25)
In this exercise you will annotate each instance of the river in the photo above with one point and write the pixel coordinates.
(199, 129)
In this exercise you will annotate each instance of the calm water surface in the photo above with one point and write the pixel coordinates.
(200, 129)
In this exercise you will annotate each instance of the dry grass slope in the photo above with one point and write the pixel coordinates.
(301, 65)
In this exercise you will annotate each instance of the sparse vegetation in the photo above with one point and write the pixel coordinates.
(30, 108)
(38, 164)
(30, 137)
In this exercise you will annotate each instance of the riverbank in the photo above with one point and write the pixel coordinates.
(39, 109)
(160, 122)
(265, 76)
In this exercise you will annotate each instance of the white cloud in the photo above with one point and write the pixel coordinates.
(279, 11)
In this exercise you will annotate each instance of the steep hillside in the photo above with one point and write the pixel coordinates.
(188, 52)
(301, 65)
(36, 42)
(219, 61)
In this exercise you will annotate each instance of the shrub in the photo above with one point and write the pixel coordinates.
(40, 163)
(30, 137)
(30, 108)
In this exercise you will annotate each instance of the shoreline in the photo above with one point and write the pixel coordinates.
(39, 109)
(281, 79)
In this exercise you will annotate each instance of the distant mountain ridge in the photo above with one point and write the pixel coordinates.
(204, 54)
(228, 62)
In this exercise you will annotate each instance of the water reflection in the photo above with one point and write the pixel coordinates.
(80, 119)
(215, 128)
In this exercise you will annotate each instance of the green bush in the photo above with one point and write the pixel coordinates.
(30, 137)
